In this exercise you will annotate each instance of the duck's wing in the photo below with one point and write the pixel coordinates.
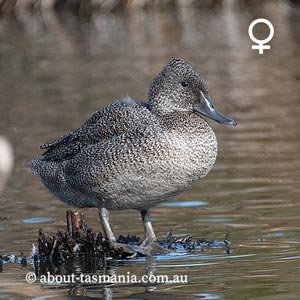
(118, 118)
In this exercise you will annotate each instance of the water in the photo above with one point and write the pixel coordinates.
(57, 70)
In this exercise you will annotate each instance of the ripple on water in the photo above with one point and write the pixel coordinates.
(37, 220)
(185, 204)
(209, 296)
(214, 220)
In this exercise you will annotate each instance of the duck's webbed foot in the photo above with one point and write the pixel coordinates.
(151, 249)
(127, 249)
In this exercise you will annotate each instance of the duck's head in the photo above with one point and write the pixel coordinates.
(178, 87)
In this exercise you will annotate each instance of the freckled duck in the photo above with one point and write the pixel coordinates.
(134, 155)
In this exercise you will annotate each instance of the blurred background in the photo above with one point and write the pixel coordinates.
(62, 60)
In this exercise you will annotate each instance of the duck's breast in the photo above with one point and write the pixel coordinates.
(192, 148)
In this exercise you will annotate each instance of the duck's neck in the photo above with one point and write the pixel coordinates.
(162, 105)
(159, 105)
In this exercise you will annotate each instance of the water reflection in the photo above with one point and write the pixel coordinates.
(111, 272)
(57, 69)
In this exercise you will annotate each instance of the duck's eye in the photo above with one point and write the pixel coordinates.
(184, 83)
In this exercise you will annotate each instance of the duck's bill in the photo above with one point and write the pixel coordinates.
(206, 107)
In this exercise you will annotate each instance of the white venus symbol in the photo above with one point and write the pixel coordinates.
(261, 43)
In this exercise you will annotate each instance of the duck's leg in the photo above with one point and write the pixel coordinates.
(104, 220)
(149, 232)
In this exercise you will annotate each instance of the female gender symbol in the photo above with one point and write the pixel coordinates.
(260, 43)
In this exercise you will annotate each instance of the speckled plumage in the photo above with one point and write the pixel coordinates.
(132, 154)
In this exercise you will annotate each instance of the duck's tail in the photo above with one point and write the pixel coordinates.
(35, 166)
(45, 169)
